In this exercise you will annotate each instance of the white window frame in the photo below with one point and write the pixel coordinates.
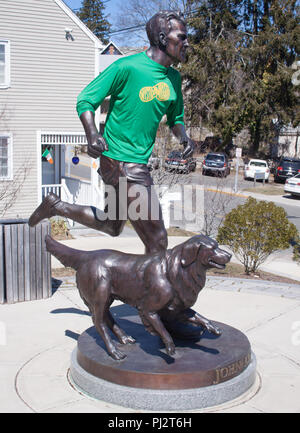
(6, 83)
(9, 156)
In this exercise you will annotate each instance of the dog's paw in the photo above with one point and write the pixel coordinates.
(117, 354)
(127, 339)
(170, 347)
(217, 331)
(213, 329)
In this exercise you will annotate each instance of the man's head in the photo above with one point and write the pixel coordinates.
(166, 30)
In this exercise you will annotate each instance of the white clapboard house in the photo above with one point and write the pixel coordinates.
(47, 56)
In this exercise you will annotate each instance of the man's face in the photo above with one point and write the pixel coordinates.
(177, 42)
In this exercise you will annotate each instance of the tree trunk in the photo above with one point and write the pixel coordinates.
(256, 137)
(255, 17)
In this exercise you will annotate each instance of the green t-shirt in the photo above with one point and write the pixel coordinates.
(142, 92)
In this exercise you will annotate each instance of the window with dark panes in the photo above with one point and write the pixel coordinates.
(5, 152)
(4, 64)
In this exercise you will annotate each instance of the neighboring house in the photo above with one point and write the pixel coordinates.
(288, 143)
(47, 56)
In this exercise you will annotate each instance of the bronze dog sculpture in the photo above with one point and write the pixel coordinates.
(162, 286)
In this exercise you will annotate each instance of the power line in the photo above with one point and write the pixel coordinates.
(137, 26)
(140, 26)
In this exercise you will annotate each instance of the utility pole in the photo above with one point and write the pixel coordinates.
(238, 155)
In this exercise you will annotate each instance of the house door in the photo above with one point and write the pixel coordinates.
(68, 171)
(61, 156)
(51, 164)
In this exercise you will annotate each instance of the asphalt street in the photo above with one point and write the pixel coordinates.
(293, 213)
(217, 197)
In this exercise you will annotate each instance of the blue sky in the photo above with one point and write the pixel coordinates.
(111, 9)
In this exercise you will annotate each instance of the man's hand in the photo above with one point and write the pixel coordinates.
(96, 145)
(189, 147)
(179, 131)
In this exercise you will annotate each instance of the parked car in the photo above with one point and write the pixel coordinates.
(285, 168)
(256, 166)
(175, 162)
(292, 185)
(153, 162)
(216, 163)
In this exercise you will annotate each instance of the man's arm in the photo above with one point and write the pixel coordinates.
(96, 143)
(180, 133)
(90, 99)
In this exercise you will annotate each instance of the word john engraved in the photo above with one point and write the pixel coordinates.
(232, 370)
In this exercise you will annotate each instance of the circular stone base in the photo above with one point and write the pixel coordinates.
(202, 373)
(161, 400)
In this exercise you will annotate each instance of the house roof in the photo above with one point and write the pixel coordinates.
(111, 43)
(79, 23)
(127, 51)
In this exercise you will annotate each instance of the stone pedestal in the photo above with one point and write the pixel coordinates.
(203, 373)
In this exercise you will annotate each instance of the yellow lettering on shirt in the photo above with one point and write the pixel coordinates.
(160, 91)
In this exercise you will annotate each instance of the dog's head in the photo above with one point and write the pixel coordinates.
(205, 251)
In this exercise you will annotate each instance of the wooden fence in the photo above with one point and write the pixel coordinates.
(25, 265)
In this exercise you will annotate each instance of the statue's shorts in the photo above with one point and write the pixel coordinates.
(112, 170)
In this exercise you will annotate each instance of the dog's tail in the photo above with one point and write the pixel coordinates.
(69, 257)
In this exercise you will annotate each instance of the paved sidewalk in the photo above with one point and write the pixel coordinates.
(37, 338)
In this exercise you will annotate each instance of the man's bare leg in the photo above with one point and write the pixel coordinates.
(86, 215)
(151, 229)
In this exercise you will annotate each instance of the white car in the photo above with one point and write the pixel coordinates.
(292, 185)
(256, 166)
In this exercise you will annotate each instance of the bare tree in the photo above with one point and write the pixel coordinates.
(134, 14)
(169, 179)
(10, 189)
(218, 201)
